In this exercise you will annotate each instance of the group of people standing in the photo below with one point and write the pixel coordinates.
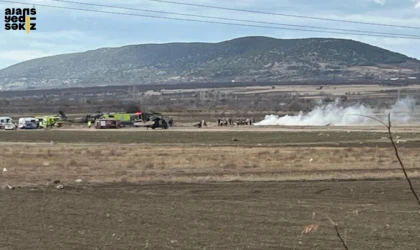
(238, 122)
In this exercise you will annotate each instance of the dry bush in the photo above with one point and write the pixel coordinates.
(59, 165)
(111, 152)
(211, 158)
(253, 166)
(131, 166)
(123, 179)
(149, 166)
(291, 157)
(382, 154)
(380, 161)
(263, 153)
(336, 152)
(77, 151)
(230, 165)
(370, 151)
(72, 163)
(308, 150)
(9, 161)
(95, 152)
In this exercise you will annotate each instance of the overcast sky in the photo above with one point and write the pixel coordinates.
(65, 31)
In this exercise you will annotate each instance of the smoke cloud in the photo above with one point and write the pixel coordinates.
(336, 114)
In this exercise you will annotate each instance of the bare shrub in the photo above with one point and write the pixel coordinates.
(230, 165)
(96, 152)
(263, 153)
(253, 166)
(149, 166)
(72, 163)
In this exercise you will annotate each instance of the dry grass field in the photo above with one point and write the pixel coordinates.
(40, 164)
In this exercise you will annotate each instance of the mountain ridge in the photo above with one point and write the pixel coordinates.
(253, 58)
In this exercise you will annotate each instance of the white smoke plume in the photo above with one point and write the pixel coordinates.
(338, 115)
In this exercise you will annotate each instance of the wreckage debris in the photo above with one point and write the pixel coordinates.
(7, 186)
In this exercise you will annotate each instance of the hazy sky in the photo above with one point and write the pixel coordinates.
(66, 31)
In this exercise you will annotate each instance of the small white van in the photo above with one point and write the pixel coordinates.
(4, 121)
(24, 122)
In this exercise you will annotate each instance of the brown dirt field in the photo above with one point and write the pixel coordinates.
(39, 164)
(254, 215)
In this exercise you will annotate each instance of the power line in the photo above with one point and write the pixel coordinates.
(210, 22)
(287, 15)
(236, 20)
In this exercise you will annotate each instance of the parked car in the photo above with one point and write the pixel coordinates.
(10, 126)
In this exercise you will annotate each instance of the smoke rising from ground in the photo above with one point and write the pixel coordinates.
(336, 114)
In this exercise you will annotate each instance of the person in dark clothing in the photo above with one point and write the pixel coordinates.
(164, 124)
(198, 125)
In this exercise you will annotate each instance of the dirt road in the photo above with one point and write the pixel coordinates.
(214, 137)
(371, 215)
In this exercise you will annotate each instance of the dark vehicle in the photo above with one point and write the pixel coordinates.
(147, 116)
(150, 120)
(160, 123)
(30, 125)
(155, 123)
